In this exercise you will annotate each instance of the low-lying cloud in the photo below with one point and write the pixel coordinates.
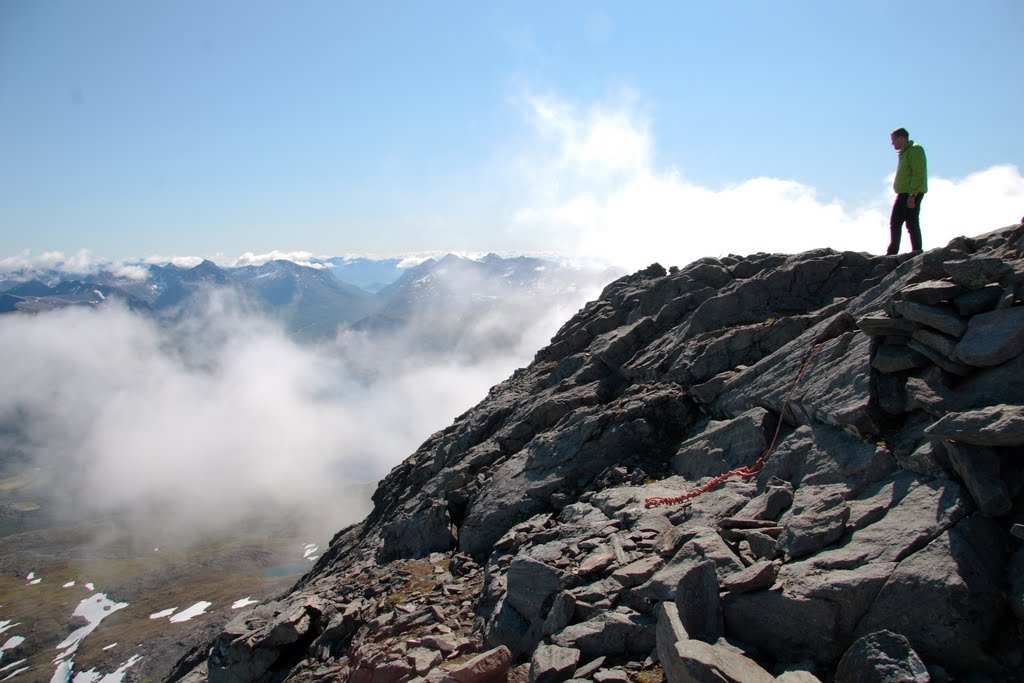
(200, 425)
(595, 191)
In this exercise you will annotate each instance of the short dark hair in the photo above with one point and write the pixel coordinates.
(901, 133)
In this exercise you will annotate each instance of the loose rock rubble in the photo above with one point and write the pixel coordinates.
(881, 540)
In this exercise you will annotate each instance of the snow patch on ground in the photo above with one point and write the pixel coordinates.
(93, 676)
(193, 611)
(93, 609)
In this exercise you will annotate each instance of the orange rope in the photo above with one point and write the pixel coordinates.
(744, 472)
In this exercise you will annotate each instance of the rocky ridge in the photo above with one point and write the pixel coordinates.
(880, 541)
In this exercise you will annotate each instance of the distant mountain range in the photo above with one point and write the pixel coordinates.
(313, 302)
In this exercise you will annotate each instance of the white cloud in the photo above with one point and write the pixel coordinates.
(596, 192)
(79, 262)
(179, 261)
(982, 201)
(224, 415)
(131, 271)
(593, 146)
(303, 258)
(82, 263)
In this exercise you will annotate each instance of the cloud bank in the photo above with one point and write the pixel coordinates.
(595, 191)
(222, 416)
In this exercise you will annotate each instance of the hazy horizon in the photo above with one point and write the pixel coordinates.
(203, 421)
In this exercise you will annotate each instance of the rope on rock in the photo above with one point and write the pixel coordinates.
(744, 472)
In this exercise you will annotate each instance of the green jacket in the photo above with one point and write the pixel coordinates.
(911, 170)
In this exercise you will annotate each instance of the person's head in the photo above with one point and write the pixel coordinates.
(899, 138)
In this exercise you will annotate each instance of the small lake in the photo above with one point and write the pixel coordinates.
(288, 569)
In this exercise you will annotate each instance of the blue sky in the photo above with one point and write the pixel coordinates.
(629, 132)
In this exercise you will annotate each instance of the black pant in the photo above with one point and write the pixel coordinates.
(900, 215)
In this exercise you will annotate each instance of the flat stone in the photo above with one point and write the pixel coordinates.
(492, 665)
(636, 573)
(943, 362)
(977, 272)
(755, 577)
(609, 633)
(992, 338)
(775, 500)
(882, 325)
(739, 522)
(936, 341)
(935, 317)
(1018, 531)
(978, 300)
(809, 613)
(394, 670)
(762, 546)
(444, 643)
(553, 664)
(517, 674)
(897, 358)
(595, 563)
(589, 668)
(998, 425)
(931, 292)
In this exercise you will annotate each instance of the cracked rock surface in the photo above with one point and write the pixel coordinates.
(880, 539)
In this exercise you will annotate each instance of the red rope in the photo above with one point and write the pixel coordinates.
(744, 472)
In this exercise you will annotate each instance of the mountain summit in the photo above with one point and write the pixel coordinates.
(870, 412)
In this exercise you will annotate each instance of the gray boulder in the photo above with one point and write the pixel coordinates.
(941, 318)
(699, 604)
(953, 585)
(755, 577)
(725, 445)
(816, 519)
(882, 657)
(685, 660)
(705, 544)
(977, 272)
(997, 425)
(992, 338)
(619, 632)
(776, 499)
(532, 586)
(931, 292)
(553, 664)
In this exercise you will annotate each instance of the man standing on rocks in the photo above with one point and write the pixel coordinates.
(910, 185)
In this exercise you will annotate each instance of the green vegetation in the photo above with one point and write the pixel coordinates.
(653, 675)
